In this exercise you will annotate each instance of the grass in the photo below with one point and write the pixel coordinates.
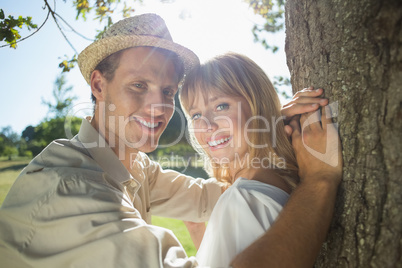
(180, 230)
(10, 169)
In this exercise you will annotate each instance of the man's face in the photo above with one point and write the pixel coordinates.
(139, 100)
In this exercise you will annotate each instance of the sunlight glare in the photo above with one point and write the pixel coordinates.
(208, 26)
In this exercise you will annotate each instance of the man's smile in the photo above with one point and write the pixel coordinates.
(151, 125)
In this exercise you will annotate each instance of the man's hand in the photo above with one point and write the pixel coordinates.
(304, 101)
(302, 226)
(317, 146)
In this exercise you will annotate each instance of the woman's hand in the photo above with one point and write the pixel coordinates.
(304, 101)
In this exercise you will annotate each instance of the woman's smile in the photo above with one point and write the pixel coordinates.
(218, 142)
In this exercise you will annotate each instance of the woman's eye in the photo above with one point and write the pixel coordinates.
(195, 116)
(222, 106)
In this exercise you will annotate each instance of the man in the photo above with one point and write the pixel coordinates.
(88, 201)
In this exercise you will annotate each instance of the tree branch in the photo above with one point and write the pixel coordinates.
(57, 24)
(72, 29)
(22, 39)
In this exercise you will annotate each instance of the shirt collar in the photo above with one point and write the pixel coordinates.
(100, 151)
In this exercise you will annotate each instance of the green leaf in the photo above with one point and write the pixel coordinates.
(67, 64)
(9, 28)
(273, 13)
(127, 10)
(82, 7)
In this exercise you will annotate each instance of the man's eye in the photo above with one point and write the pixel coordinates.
(168, 92)
(195, 116)
(222, 106)
(139, 85)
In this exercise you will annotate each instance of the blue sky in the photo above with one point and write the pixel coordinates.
(27, 74)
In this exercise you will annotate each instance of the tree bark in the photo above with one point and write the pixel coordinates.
(353, 49)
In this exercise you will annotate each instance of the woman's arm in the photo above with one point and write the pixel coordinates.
(304, 101)
(196, 230)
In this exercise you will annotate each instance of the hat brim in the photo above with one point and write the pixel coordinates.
(91, 56)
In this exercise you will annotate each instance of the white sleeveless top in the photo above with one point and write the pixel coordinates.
(242, 214)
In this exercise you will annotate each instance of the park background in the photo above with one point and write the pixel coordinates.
(37, 96)
(352, 49)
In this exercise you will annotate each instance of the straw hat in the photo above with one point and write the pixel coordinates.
(142, 30)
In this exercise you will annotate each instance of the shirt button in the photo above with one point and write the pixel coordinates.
(133, 184)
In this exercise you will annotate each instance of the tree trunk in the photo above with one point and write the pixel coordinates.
(353, 49)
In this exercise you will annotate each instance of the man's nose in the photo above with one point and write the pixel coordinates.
(154, 104)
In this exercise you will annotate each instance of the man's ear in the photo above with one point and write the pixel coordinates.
(98, 85)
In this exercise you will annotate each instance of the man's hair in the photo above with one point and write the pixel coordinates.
(108, 65)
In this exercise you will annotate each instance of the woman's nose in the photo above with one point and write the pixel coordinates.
(208, 124)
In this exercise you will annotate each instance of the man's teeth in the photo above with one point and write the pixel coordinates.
(148, 124)
(217, 142)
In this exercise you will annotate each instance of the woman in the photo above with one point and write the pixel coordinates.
(235, 122)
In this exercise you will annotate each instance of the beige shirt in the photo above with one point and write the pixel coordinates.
(76, 205)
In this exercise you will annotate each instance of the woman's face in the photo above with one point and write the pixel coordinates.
(219, 125)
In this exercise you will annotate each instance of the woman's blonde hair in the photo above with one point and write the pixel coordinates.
(235, 74)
